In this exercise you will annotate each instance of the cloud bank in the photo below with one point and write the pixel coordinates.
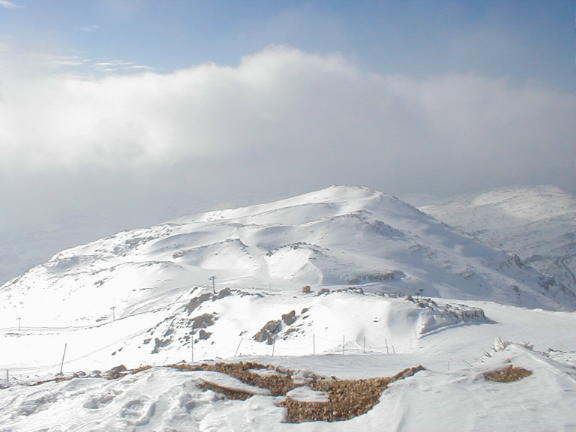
(282, 121)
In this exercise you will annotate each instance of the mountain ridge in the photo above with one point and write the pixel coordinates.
(335, 237)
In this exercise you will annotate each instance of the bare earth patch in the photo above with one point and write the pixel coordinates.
(507, 374)
(278, 384)
(347, 398)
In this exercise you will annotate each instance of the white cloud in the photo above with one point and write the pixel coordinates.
(8, 4)
(15, 61)
(118, 66)
(141, 147)
(276, 98)
(90, 28)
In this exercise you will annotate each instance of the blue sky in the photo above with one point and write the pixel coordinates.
(520, 40)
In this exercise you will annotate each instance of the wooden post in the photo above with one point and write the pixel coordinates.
(238, 347)
(63, 357)
(192, 345)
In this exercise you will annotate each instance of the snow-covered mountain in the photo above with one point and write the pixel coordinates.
(336, 237)
(536, 223)
(344, 270)
(354, 248)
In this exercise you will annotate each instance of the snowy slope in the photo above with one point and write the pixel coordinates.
(239, 323)
(136, 296)
(465, 401)
(450, 395)
(336, 237)
(536, 223)
(371, 262)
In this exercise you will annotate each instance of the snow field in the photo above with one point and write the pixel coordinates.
(167, 399)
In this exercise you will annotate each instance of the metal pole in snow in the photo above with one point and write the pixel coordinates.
(7, 378)
(364, 346)
(63, 356)
(273, 345)
(313, 344)
(387, 352)
(192, 345)
(213, 279)
(343, 341)
(238, 347)
(19, 324)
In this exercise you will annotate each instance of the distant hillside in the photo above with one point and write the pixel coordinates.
(536, 223)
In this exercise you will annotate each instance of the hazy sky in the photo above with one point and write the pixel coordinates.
(120, 113)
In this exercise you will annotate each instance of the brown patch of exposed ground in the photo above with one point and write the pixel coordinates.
(278, 384)
(507, 374)
(347, 398)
